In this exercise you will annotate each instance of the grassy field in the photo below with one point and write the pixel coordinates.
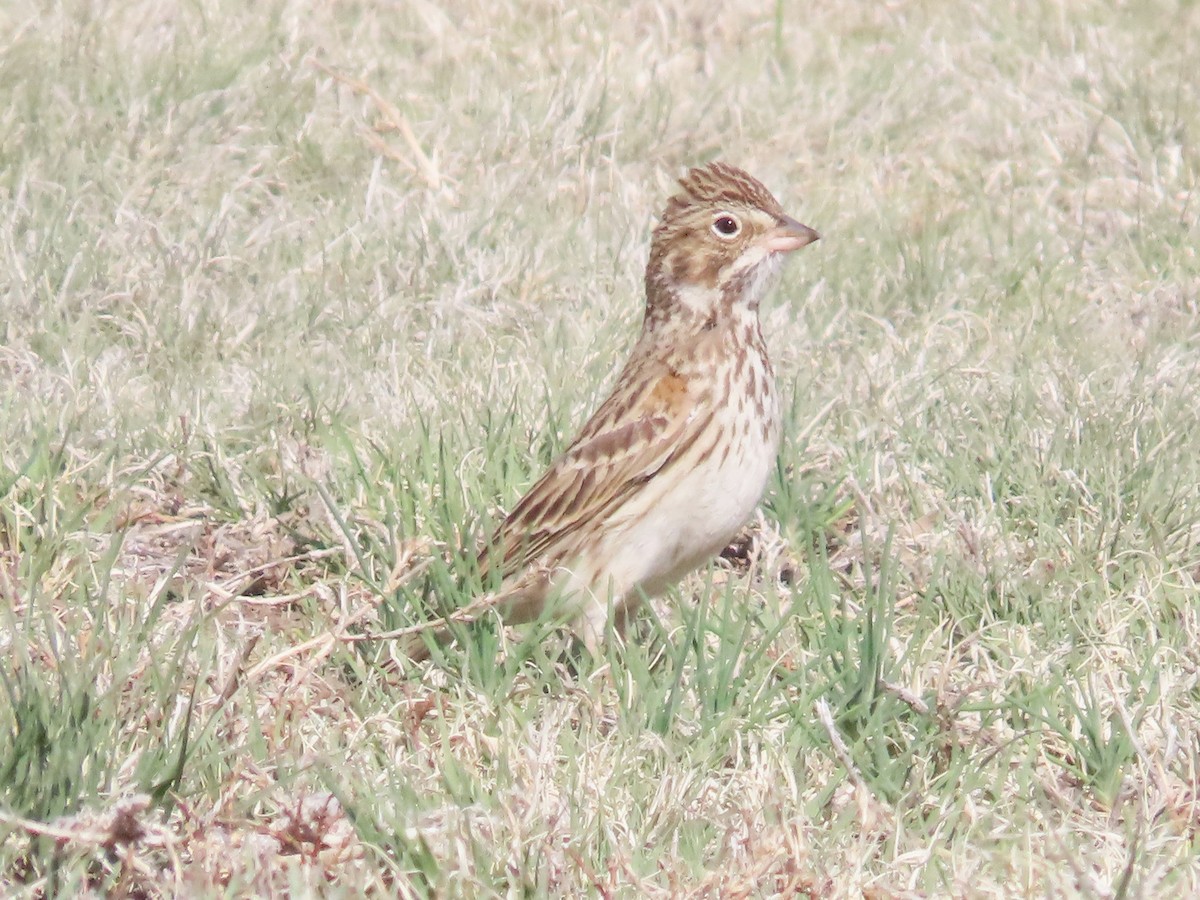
(296, 298)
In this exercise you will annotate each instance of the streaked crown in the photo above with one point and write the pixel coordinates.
(719, 184)
(719, 241)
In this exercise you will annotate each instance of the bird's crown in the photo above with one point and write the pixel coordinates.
(720, 184)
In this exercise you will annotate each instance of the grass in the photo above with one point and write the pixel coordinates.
(297, 297)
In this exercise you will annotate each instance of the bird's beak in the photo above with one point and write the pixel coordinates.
(789, 235)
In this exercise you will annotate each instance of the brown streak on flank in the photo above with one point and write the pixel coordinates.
(726, 447)
(717, 440)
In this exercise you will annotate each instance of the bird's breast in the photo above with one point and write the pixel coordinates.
(711, 490)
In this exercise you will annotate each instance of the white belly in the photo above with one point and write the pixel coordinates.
(692, 522)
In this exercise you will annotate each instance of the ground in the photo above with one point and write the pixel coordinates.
(297, 298)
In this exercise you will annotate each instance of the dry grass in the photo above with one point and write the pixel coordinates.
(296, 296)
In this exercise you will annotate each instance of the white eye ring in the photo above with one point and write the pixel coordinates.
(726, 226)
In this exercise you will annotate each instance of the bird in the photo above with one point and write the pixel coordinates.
(675, 461)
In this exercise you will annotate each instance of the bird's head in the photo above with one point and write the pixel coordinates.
(719, 244)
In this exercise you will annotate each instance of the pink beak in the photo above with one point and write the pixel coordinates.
(789, 235)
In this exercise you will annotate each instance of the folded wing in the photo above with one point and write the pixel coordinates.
(630, 438)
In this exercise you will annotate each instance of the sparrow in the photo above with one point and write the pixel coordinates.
(674, 462)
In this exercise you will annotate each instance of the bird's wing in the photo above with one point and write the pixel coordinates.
(636, 433)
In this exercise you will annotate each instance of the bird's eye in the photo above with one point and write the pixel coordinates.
(726, 226)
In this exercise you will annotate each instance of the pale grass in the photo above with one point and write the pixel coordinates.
(296, 298)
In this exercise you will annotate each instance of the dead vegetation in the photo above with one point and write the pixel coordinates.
(299, 297)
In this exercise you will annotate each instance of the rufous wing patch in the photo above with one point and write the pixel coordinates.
(671, 391)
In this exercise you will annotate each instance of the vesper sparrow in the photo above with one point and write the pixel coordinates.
(674, 462)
